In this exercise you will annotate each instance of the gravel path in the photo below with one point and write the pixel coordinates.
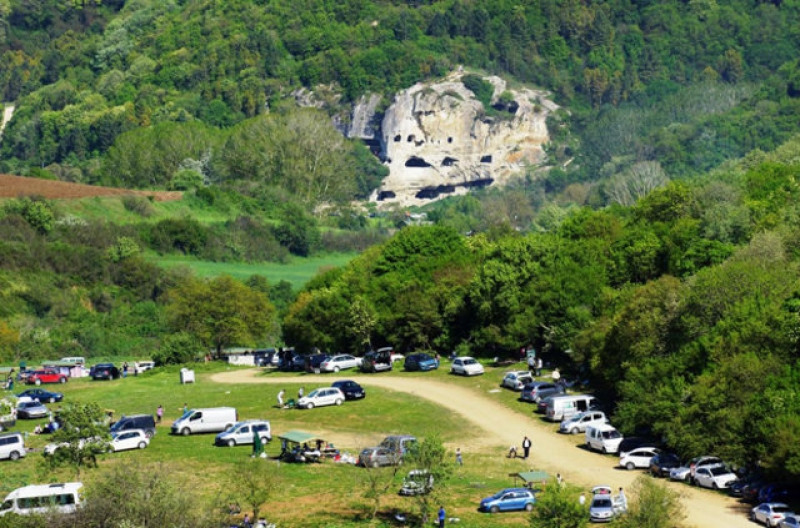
(552, 452)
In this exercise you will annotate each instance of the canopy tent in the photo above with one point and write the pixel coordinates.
(529, 478)
(299, 437)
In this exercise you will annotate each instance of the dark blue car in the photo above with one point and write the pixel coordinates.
(420, 362)
(42, 395)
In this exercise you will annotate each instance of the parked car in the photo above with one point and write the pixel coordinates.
(145, 422)
(466, 366)
(289, 360)
(421, 362)
(390, 452)
(772, 492)
(314, 362)
(12, 446)
(37, 377)
(41, 395)
(143, 366)
(243, 433)
(43, 499)
(509, 499)
(536, 391)
(663, 463)
(715, 477)
(516, 380)
(638, 458)
(770, 513)
(377, 360)
(541, 405)
(634, 442)
(604, 507)
(129, 439)
(98, 445)
(340, 362)
(417, 482)
(579, 422)
(604, 438)
(321, 397)
(350, 389)
(790, 521)
(104, 371)
(207, 420)
(686, 472)
(31, 409)
(266, 357)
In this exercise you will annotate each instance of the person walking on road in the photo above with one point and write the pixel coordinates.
(526, 447)
(442, 516)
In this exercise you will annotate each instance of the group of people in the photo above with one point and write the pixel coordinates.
(535, 365)
(526, 449)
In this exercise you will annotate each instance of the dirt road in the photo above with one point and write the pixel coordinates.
(553, 452)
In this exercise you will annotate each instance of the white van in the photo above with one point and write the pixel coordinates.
(565, 407)
(212, 420)
(12, 446)
(61, 498)
(76, 360)
(604, 438)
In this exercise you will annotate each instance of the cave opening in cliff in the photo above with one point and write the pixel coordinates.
(417, 163)
(397, 138)
(486, 159)
(386, 195)
(478, 184)
(410, 138)
(449, 162)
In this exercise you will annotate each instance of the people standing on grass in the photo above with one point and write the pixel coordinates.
(280, 398)
(526, 447)
(532, 365)
(159, 414)
(582, 500)
(459, 460)
(300, 393)
(442, 516)
(539, 365)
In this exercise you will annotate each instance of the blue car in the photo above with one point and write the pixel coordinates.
(420, 362)
(42, 395)
(509, 499)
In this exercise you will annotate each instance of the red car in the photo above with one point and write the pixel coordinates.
(37, 377)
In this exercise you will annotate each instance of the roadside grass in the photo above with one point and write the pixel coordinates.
(313, 495)
(297, 271)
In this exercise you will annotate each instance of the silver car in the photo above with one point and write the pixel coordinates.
(243, 433)
(579, 422)
(340, 362)
(517, 380)
(770, 513)
(321, 397)
(605, 506)
(31, 409)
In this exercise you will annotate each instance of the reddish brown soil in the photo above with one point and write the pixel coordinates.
(16, 186)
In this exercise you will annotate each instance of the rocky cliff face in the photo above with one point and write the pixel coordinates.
(438, 139)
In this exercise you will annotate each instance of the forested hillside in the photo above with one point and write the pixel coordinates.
(685, 84)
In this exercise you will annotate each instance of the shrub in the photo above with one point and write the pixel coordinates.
(176, 349)
(482, 89)
(138, 205)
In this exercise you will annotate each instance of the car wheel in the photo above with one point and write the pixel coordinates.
(149, 434)
(63, 380)
(528, 507)
(494, 509)
(335, 369)
(14, 455)
(605, 451)
(714, 486)
(52, 400)
(265, 440)
(338, 401)
(231, 443)
(375, 464)
(309, 405)
(38, 382)
(185, 431)
(574, 430)
(629, 466)
(142, 445)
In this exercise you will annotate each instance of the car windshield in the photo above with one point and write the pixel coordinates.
(498, 495)
(186, 414)
(601, 503)
(313, 394)
(469, 361)
(609, 435)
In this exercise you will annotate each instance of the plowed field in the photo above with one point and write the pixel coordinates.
(16, 186)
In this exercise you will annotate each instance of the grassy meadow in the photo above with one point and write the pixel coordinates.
(327, 494)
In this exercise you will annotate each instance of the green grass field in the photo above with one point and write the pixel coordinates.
(327, 494)
(298, 271)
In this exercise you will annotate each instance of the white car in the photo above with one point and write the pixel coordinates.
(579, 422)
(321, 397)
(130, 439)
(716, 477)
(340, 362)
(143, 366)
(770, 513)
(687, 472)
(638, 458)
(102, 445)
(516, 380)
(467, 366)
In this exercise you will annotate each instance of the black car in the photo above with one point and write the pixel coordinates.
(42, 395)
(662, 463)
(104, 371)
(313, 362)
(351, 389)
